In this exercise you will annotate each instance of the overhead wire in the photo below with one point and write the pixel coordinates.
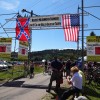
(57, 7)
(62, 5)
(7, 14)
(64, 9)
(90, 14)
(11, 31)
(48, 7)
(2, 26)
(92, 7)
(9, 20)
(4, 30)
(35, 3)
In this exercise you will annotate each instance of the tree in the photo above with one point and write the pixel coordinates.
(92, 34)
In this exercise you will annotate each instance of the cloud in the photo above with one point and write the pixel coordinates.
(9, 5)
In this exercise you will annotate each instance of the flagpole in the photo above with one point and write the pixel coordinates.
(82, 34)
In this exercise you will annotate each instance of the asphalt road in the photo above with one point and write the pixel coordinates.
(25, 88)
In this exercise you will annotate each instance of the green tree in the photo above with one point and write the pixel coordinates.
(92, 34)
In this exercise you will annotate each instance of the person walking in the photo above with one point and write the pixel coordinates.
(57, 68)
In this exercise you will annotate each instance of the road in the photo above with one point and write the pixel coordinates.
(25, 88)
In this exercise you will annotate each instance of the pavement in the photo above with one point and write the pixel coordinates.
(25, 88)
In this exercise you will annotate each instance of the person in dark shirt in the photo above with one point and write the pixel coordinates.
(57, 68)
(68, 66)
(25, 68)
(46, 65)
(31, 69)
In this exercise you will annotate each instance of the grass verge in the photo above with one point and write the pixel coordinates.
(92, 92)
(16, 72)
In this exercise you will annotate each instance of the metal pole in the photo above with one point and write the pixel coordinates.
(78, 48)
(30, 40)
(29, 43)
(78, 41)
(13, 59)
(82, 34)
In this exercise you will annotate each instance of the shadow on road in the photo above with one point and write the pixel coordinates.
(20, 84)
(13, 84)
(36, 86)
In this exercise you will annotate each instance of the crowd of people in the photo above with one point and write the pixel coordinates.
(72, 71)
(75, 76)
(59, 67)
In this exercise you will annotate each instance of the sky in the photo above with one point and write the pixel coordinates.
(51, 38)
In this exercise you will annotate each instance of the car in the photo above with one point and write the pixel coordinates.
(3, 66)
(10, 64)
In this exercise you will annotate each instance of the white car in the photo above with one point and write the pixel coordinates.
(3, 66)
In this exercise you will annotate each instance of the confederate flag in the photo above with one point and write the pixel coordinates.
(22, 29)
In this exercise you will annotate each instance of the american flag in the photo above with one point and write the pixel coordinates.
(71, 27)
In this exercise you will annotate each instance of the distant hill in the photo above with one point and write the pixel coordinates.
(49, 54)
(65, 54)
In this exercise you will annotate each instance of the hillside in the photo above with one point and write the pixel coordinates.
(49, 54)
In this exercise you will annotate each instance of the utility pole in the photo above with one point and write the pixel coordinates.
(78, 40)
(82, 34)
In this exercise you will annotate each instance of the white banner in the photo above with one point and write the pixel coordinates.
(45, 21)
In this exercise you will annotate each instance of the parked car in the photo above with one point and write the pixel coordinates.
(10, 64)
(3, 66)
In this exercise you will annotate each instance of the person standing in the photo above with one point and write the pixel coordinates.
(68, 66)
(56, 66)
(63, 68)
(45, 66)
(31, 69)
(83, 81)
(25, 68)
(76, 82)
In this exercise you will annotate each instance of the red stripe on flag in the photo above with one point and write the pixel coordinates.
(71, 32)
